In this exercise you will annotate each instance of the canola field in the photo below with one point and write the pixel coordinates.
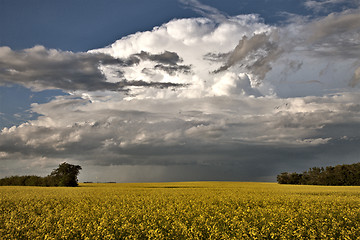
(188, 210)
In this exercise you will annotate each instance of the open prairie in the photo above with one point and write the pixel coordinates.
(186, 210)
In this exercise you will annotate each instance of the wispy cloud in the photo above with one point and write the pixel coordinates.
(205, 10)
(326, 5)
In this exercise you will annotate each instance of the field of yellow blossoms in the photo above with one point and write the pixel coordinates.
(188, 210)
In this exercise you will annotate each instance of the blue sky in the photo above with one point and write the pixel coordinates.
(81, 25)
(178, 90)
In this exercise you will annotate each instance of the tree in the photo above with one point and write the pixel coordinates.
(66, 175)
(289, 178)
(283, 178)
(340, 175)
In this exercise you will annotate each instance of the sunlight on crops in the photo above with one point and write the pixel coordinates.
(189, 210)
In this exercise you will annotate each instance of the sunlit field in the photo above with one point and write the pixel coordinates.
(188, 210)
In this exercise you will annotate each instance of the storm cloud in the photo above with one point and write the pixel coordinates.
(199, 132)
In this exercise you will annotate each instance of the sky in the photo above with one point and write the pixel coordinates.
(178, 90)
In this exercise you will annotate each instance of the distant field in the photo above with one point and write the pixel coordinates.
(188, 210)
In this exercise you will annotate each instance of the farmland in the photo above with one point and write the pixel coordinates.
(187, 210)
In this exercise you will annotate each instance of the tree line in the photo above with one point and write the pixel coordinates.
(340, 175)
(65, 176)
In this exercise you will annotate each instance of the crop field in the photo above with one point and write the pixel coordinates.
(188, 210)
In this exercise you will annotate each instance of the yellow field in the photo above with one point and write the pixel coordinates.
(189, 210)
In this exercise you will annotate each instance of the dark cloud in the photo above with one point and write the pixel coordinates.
(216, 57)
(167, 61)
(255, 54)
(211, 161)
(256, 136)
(40, 68)
(335, 24)
(140, 83)
(169, 58)
(247, 46)
(335, 36)
(172, 70)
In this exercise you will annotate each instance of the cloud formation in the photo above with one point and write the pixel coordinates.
(212, 131)
(255, 54)
(335, 24)
(40, 68)
(216, 93)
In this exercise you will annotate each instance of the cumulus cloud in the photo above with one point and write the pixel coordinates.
(243, 45)
(179, 51)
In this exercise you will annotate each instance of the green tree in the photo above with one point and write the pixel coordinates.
(340, 175)
(283, 178)
(66, 175)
